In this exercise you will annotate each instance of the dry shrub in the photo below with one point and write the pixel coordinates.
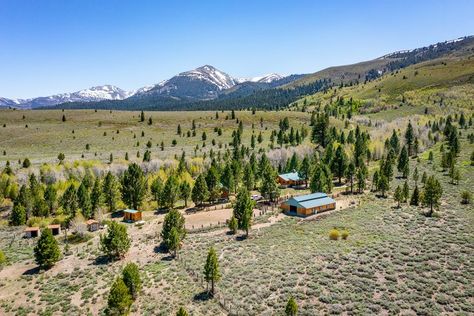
(334, 234)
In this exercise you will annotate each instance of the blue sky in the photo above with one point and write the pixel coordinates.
(49, 47)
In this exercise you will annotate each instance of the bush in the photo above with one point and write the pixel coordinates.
(466, 197)
(3, 259)
(334, 234)
(344, 234)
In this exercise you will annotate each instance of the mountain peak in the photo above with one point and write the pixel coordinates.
(211, 75)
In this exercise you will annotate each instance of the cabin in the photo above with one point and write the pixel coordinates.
(132, 215)
(290, 179)
(92, 225)
(309, 204)
(55, 229)
(32, 232)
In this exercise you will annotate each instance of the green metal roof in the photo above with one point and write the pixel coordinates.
(310, 200)
(292, 176)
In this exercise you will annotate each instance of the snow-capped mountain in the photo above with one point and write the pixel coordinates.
(98, 93)
(269, 78)
(203, 83)
(212, 75)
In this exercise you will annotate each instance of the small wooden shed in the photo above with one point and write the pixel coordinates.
(132, 215)
(92, 225)
(32, 232)
(55, 229)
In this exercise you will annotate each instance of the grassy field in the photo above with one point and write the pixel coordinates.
(395, 261)
(118, 132)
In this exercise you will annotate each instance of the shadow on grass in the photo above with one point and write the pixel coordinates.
(160, 211)
(32, 271)
(101, 260)
(203, 296)
(168, 258)
(160, 248)
(241, 238)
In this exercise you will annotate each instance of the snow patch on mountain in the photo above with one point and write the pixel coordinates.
(98, 93)
(212, 75)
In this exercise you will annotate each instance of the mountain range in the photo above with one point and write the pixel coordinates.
(207, 88)
(203, 83)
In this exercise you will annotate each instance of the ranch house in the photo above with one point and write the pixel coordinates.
(309, 204)
(290, 179)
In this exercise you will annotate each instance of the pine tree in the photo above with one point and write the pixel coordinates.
(61, 158)
(432, 193)
(131, 278)
(212, 181)
(115, 242)
(350, 173)
(96, 196)
(185, 192)
(69, 201)
(200, 193)
(340, 163)
(415, 175)
(304, 170)
(409, 138)
(361, 176)
(142, 117)
(173, 231)
(156, 189)
(47, 251)
(26, 163)
(383, 184)
(211, 269)
(415, 197)
(243, 210)
(84, 201)
(227, 179)
(233, 225)
(249, 178)
(268, 184)
(119, 299)
(110, 190)
(50, 196)
(320, 130)
(291, 308)
(134, 186)
(405, 191)
(398, 195)
(170, 192)
(403, 162)
(18, 215)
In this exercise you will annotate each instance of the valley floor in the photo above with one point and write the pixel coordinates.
(395, 260)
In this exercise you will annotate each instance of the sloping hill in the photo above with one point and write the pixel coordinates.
(440, 85)
(372, 69)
